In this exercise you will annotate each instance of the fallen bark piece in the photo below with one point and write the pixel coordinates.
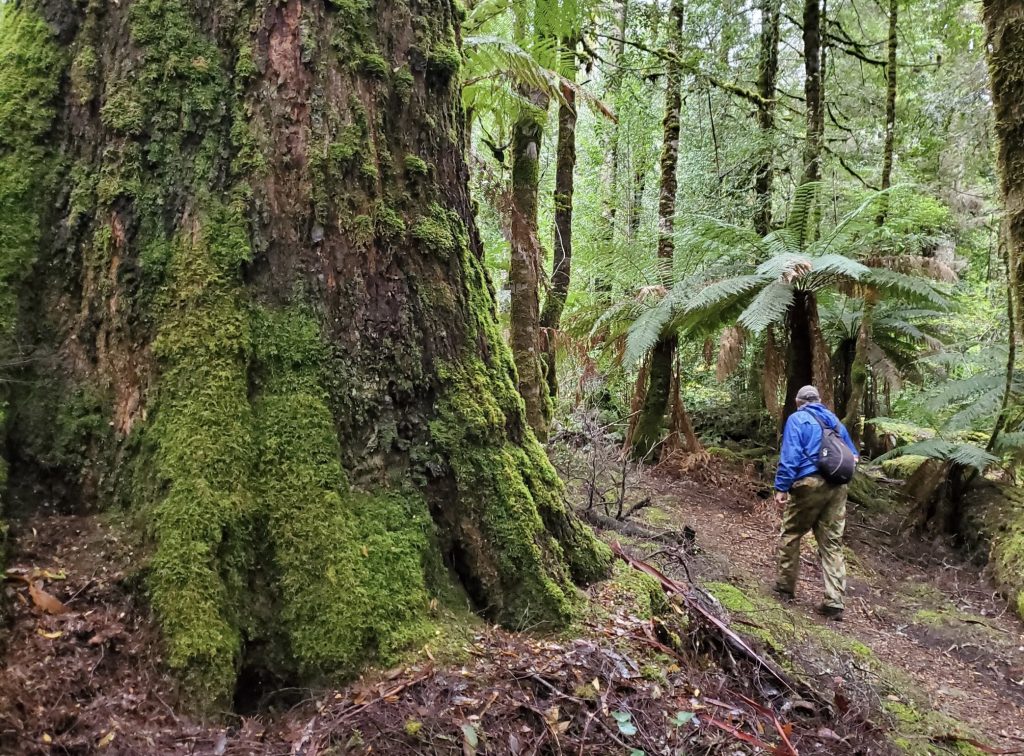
(46, 601)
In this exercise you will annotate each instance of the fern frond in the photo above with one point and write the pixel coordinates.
(644, 333)
(731, 346)
(951, 392)
(1008, 443)
(712, 236)
(720, 293)
(801, 212)
(967, 455)
(767, 308)
(916, 265)
(913, 288)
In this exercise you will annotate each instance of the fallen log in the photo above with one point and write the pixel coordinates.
(632, 529)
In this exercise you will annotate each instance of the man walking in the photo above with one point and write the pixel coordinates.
(811, 502)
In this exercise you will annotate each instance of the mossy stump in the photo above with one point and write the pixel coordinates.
(245, 234)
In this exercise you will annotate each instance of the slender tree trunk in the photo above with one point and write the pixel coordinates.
(565, 171)
(890, 108)
(859, 372)
(611, 197)
(768, 70)
(246, 237)
(813, 90)
(1004, 26)
(650, 424)
(526, 263)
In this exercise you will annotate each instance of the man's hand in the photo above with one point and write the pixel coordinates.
(781, 498)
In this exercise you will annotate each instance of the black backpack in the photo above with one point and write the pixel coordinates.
(836, 463)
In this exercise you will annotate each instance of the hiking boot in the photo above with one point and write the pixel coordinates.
(834, 613)
(785, 596)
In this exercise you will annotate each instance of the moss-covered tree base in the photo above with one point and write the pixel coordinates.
(273, 338)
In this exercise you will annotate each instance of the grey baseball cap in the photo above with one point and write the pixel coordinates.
(808, 395)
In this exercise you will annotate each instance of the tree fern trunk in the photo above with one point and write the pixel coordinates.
(800, 350)
(245, 236)
(650, 424)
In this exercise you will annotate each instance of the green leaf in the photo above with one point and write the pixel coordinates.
(625, 722)
(469, 733)
(683, 718)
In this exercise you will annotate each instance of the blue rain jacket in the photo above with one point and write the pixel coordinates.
(801, 442)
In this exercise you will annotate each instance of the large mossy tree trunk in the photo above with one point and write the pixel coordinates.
(561, 266)
(650, 424)
(1004, 26)
(241, 236)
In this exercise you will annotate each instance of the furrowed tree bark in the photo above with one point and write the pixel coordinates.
(561, 267)
(1004, 27)
(768, 70)
(650, 422)
(244, 240)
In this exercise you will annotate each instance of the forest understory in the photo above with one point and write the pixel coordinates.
(928, 660)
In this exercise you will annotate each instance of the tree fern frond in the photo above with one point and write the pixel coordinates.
(710, 236)
(1010, 442)
(722, 292)
(767, 308)
(967, 455)
(982, 406)
(952, 392)
(916, 265)
(912, 287)
(801, 212)
(644, 333)
(783, 265)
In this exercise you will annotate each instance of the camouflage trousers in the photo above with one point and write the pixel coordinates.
(817, 506)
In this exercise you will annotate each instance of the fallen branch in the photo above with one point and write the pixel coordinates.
(696, 608)
(954, 739)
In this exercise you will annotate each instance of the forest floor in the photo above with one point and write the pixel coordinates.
(928, 659)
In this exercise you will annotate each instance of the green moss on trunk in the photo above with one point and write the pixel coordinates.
(30, 72)
(202, 436)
